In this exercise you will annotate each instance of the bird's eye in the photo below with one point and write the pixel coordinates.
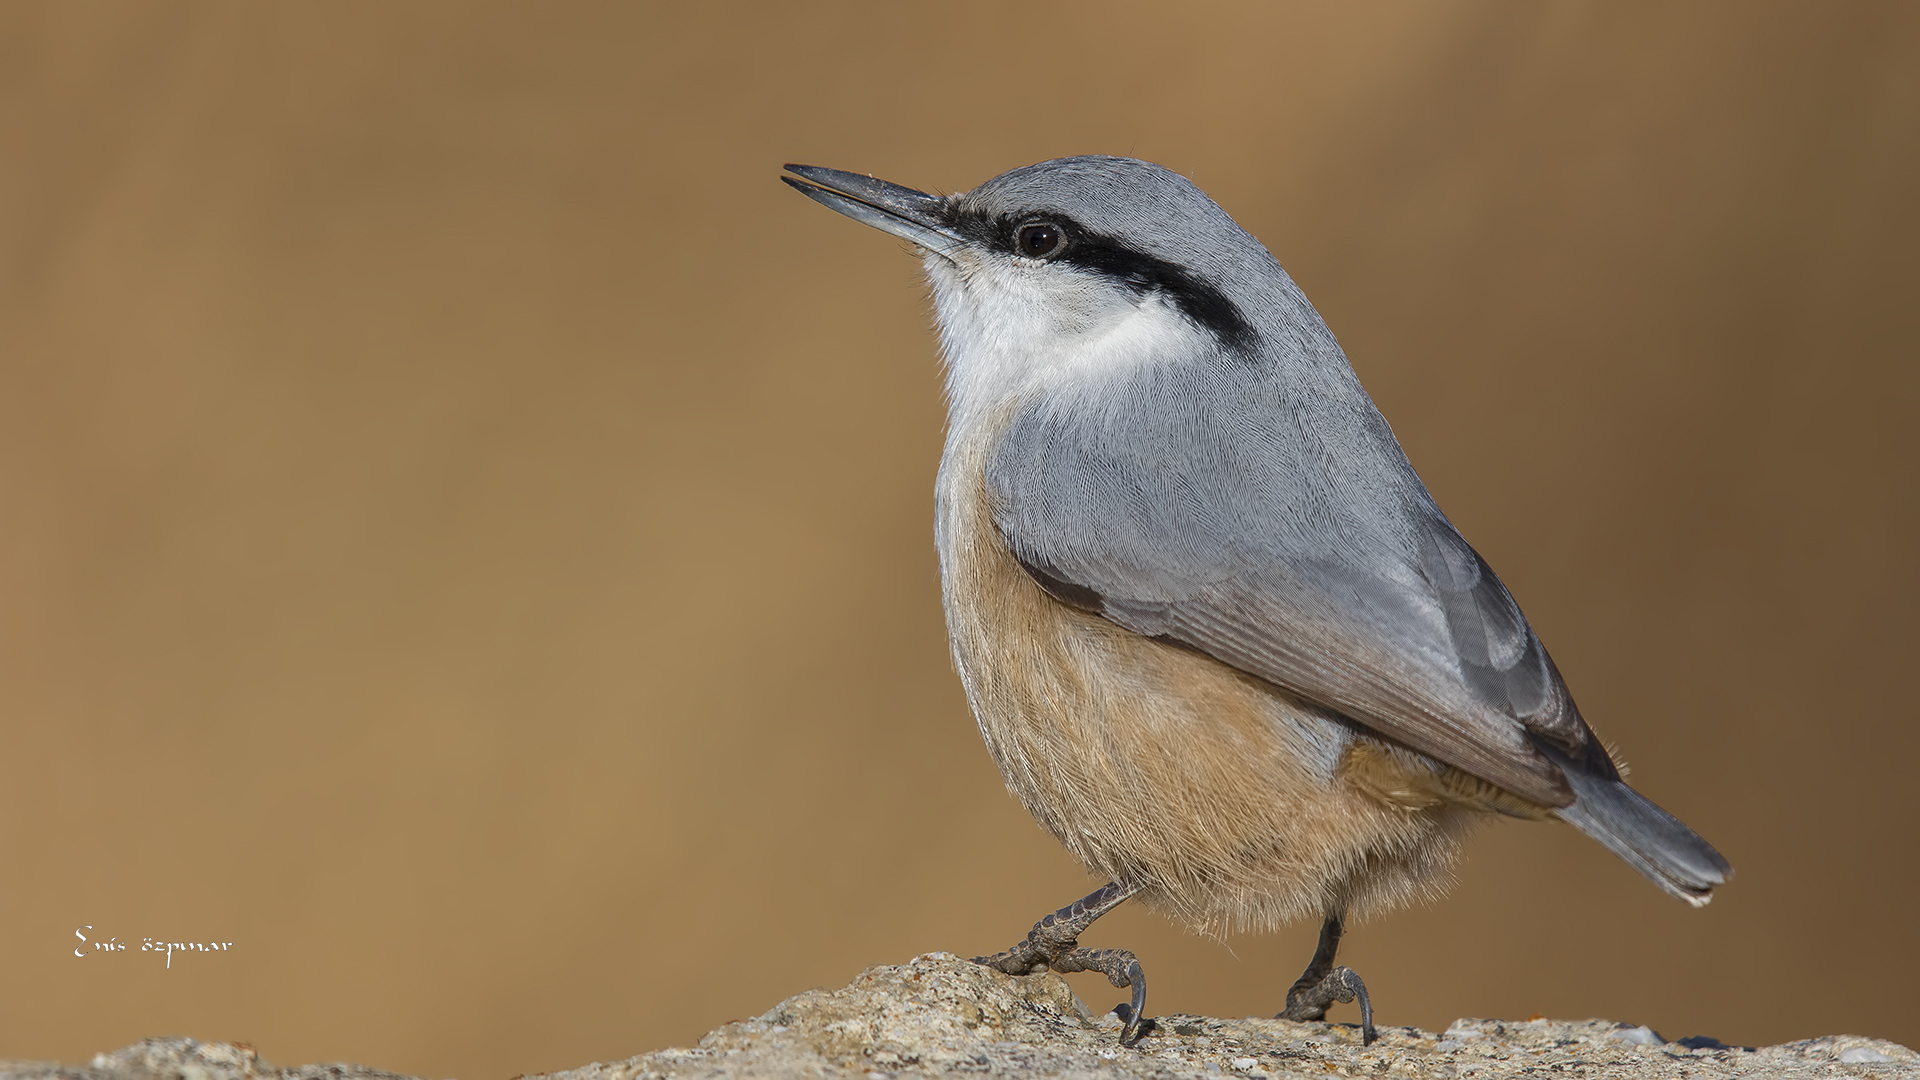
(1040, 240)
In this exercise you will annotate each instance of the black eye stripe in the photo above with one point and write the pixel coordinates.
(1196, 299)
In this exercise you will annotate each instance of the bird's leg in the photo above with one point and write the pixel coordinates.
(1054, 942)
(1322, 984)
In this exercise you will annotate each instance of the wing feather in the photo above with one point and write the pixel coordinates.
(1285, 534)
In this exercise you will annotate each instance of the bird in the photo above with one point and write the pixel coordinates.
(1216, 633)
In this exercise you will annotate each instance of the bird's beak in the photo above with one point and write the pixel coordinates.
(911, 215)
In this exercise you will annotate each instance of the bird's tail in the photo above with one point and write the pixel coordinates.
(1648, 838)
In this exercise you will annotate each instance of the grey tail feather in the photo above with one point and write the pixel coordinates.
(1648, 838)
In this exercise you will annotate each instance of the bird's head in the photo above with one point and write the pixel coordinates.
(1062, 275)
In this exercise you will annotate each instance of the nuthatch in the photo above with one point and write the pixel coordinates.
(1217, 635)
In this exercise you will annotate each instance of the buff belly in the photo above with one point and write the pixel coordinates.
(1233, 802)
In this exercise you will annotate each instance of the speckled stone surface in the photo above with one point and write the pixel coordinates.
(939, 1015)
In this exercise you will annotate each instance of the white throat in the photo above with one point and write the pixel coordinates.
(1012, 327)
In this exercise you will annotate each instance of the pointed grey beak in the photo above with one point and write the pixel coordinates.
(911, 215)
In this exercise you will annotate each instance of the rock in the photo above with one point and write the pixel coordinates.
(187, 1059)
(940, 1015)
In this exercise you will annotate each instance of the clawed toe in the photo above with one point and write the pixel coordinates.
(1122, 969)
(1340, 984)
(1322, 984)
(1054, 943)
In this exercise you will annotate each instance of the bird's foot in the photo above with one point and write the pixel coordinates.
(1054, 944)
(1308, 1000)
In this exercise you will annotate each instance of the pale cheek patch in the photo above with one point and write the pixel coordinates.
(1150, 329)
(1007, 329)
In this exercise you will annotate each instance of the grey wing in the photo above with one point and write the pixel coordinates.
(1295, 543)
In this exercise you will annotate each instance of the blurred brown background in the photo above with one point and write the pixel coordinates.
(465, 528)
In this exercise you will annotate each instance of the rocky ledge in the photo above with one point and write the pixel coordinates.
(940, 1016)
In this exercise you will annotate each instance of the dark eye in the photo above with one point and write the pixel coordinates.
(1039, 240)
